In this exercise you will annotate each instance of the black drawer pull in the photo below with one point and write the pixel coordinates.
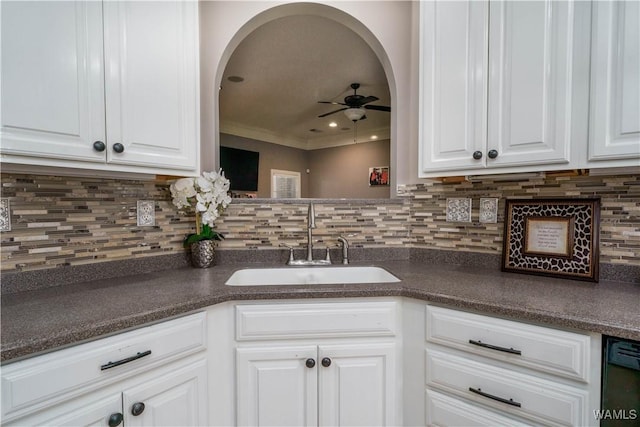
(499, 399)
(495, 347)
(123, 361)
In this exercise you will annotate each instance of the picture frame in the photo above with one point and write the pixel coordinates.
(556, 237)
(378, 175)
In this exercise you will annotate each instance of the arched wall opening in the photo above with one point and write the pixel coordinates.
(241, 26)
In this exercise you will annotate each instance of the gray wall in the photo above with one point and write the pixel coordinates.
(343, 172)
(337, 172)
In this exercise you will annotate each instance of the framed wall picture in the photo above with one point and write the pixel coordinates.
(379, 175)
(552, 237)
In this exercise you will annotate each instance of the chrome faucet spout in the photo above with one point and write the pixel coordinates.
(311, 217)
(311, 224)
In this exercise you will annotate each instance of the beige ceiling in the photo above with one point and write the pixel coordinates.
(288, 65)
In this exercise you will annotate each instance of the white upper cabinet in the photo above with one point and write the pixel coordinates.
(52, 80)
(453, 86)
(496, 86)
(151, 74)
(614, 132)
(110, 86)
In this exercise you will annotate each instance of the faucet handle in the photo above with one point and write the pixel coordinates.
(290, 252)
(328, 256)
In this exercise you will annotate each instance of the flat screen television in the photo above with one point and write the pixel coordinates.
(240, 167)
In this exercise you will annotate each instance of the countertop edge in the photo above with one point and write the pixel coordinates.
(32, 347)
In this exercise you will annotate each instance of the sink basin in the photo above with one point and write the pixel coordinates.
(310, 276)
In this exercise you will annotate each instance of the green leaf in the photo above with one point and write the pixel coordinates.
(207, 234)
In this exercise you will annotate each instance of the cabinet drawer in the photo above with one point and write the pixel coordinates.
(545, 349)
(277, 321)
(53, 377)
(540, 400)
(443, 410)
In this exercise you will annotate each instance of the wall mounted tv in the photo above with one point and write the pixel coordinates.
(240, 167)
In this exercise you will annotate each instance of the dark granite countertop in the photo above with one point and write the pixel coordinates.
(46, 319)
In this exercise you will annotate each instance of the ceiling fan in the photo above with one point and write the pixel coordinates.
(354, 105)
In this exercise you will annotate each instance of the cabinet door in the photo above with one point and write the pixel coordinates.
(178, 397)
(615, 81)
(52, 80)
(85, 412)
(151, 56)
(530, 82)
(453, 84)
(275, 387)
(358, 387)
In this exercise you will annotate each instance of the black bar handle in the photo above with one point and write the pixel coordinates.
(495, 347)
(491, 396)
(123, 361)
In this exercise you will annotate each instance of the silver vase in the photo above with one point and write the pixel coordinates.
(202, 253)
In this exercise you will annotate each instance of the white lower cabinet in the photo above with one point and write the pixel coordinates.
(171, 396)
(360, 361)
(482, 370)
(310, 385)
(155, 376)
(444, 410)
(330, 364)
(177, 397)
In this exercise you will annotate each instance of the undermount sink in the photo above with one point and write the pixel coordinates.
(310, 276)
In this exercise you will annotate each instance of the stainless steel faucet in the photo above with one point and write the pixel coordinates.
(311, 224)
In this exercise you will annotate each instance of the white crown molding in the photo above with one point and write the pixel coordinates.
(309, 144)
(347, 139)
(262, 135)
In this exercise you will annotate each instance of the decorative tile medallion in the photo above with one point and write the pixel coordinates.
(488, 210)
(5, 215)
(459, 210)
(146, 213)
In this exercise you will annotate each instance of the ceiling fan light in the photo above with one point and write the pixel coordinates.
(354, 114)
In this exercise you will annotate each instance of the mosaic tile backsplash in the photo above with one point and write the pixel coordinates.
(59, 221)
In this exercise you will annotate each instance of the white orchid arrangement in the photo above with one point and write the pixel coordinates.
(208, 196)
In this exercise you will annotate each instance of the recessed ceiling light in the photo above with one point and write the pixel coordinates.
(235, 79)
(333, 124)
(374, 136)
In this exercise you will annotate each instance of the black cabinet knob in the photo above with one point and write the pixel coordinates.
(118, 148)
(326, 362)
(492, 154)
(115, 419)
(477, 155)
(99, 146)
(310, 363)
(137, 409)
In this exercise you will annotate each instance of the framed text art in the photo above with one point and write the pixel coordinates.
(552, 237)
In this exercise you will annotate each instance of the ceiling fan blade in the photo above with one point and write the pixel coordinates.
(368, 99)
(331, 102)
(378, 107)
(335, 111)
